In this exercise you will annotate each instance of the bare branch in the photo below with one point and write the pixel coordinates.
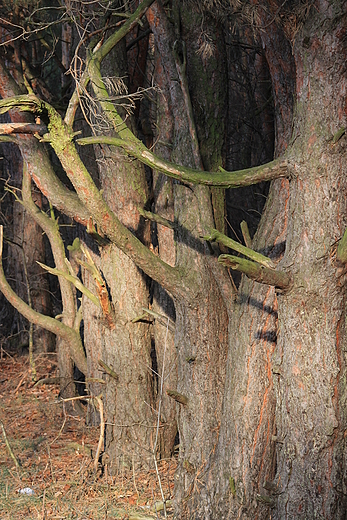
(36, 156)
(245, 233)
(22, 128)
(51, 229)
(180, 398)
(157, 218)
(74, 280)
(223, 179)
(110, 43)
(100, 54)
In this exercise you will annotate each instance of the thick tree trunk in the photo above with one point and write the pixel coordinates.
(124, 346)
(280, 451)
(202, 315)
(163, 304)
(201, 352)
(310, 360)
(245, 458)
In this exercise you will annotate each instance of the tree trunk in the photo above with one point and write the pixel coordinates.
(310, 359)
(245, 458)
(280, 451)
(164, 334)
(202, 315)
(125, 347)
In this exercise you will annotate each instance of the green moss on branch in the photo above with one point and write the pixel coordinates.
(342, 249)
(223, 179)
(157, 218)
(246, 251)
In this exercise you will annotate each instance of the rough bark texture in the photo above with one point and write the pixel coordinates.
(201, 350)
(245, 458)
(280, 451)
(310, 383)
(124, 346)
(164, 337)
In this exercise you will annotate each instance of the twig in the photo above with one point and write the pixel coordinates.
(102, 432)
(31, 325)
(50, 463)
(259, 273)
(158, 423)
(8, 446)
(78, 398)
(43, 505)
(62, 427)
(108, 370)
(134, 479)
(157, 218)
(246, 251)
(180, 398)
(246, 235)
(74, 280)
(19, 384)
(160, 318)
(30, 303)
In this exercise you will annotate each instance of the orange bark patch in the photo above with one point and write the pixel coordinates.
(312, 139)
(301, 385)
(256, 433)
(296, 370)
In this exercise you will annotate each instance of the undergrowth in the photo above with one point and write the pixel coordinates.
(53, 456)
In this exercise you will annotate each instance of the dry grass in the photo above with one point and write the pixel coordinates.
(57, 463)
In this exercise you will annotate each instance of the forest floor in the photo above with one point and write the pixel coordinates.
(53, 455)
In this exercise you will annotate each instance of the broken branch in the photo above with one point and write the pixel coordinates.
(180, 398)
(257, 272)
(246, 251)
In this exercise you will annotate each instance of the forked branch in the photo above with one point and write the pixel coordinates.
(236, 246)
(173, 279)
(46, 322)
